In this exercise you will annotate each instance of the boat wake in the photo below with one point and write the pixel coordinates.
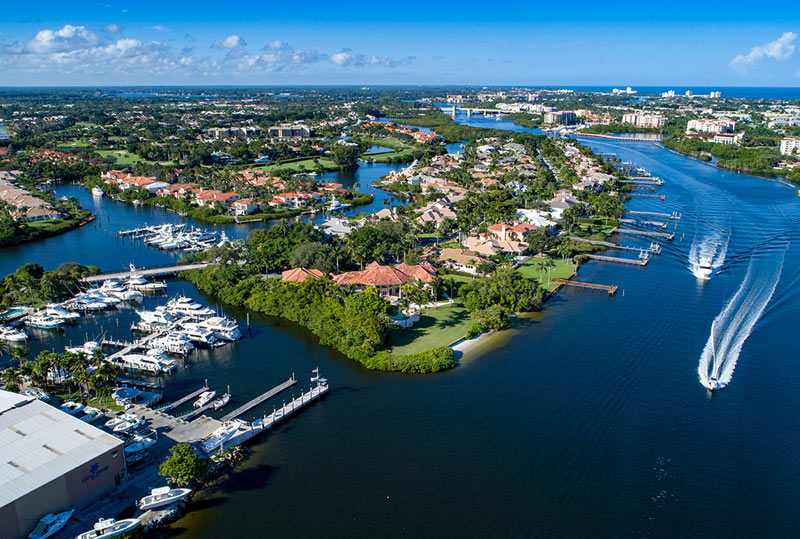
(706, 256)
(731, 328)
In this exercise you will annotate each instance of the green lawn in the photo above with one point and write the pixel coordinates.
(597, 224)
(562, 270)
(52, 225)
(297, 166)
(122, 156)
(437, 327)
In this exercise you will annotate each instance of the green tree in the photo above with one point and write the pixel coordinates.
(183, 467)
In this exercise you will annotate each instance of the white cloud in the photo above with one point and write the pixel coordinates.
(341, 59)
(348, 58)
(231, 42)
(160, 28)
(780, 49)
(66, 39)
(112, 28)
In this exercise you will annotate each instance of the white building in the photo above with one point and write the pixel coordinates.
(645, 119)
(711, 125)
(790, 146)
(728, 138)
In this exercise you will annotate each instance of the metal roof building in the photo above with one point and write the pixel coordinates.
(50, 462)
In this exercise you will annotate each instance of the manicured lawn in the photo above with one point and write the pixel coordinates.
(437, 327)
(597, 224)
(296, 166)
(122, 156)
(562, 270)
(52, 225)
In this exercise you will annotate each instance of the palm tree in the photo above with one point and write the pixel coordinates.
(541, 266)
(12, 379)
(549, 264)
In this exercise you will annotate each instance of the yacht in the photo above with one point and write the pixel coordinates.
(139, 444)
(140, 283)
(174, 343)
(224, 328)
(42, 321)
(221, 402)
(72, 407)
(154, 362)
(57, 311)
(97, 191)
(50, 524)
(336, 205)
(108, 527)
(704, 270)
(162, 497)
(198, 335)
(88, 304)
(155, 320)
(184, 306)
(215, 440)
(12, 335)
(204, 398)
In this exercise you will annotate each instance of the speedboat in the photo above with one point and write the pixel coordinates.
(204, 398)
(97, 191)
(108, 527)
(714, 384)
(223, 327)
(704, 270)
(215, 440)
(12, 335)
(72, 407)
(50, 524)
(161, 497)
(129, 425)
(221, 402)
(114, 421)
(90, 414)
(42, 321)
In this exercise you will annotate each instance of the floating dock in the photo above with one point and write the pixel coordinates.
(659, 224)
(260, 399)
(674, 216)
(654, 247)
(649, 233)
(611, 289)
(183, 400)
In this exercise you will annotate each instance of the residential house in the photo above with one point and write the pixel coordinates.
(298, 275)
(388, 280)
(461, 260)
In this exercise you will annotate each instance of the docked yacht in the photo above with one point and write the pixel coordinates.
(12, 335)
(129, 425)
(50, 524)
(335, 205)
(183, 306)
(224, 328)
(154, 362)
(114, 421)
(108, 527)
(87, 349)
(140, 283)
(174, 343)
(42, 321)
(139, 444)
(162, 497)
(97, 191)
(204, 398)
(72, 407)
(216, 439)
(57, 311)
(155, 320)
(221, 402)
(198, 335)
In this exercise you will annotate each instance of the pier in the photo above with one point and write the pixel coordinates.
(650, 233)
(659, 224)
(674, 216)
(641, 261)
(260, 399)
(654, 247)
(610, 289)
(183, 400)
(160, 271)
(130, 347)
(188, 416)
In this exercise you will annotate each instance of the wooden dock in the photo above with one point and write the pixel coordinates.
(260, 399)
(654, 248)
(183, 400)
(130, 347)
(188, 416)
(160, 271)
(674, 216)
(642, 261)
(659, 224)
(610, 289)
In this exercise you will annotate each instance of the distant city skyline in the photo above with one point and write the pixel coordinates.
(179, 43)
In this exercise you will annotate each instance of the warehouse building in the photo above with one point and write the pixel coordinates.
(50, 462)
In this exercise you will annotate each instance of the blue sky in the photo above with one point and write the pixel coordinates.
(554, 43)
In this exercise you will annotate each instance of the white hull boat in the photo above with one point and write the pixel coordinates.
(204, 398)
(108, 527)
(162, 497)
(50, 525)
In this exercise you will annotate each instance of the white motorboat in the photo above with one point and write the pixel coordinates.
(335, 205)
(57, 311)
(154, 361)
(224, 328)
(162, 497)
(159, 317)
(129, 425)
(38, 393)
(221, 402)
(174, 343)
(72, 407)
(204, 398)
(90, 414)
(139, 444)
(108, 527)
(42, 321)
(97, 191)
(188, 308)
(198, 335)
(704, 270)
(12, 335)
(216, 439)
(87, 350)
(50, 524)
(114, 421)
